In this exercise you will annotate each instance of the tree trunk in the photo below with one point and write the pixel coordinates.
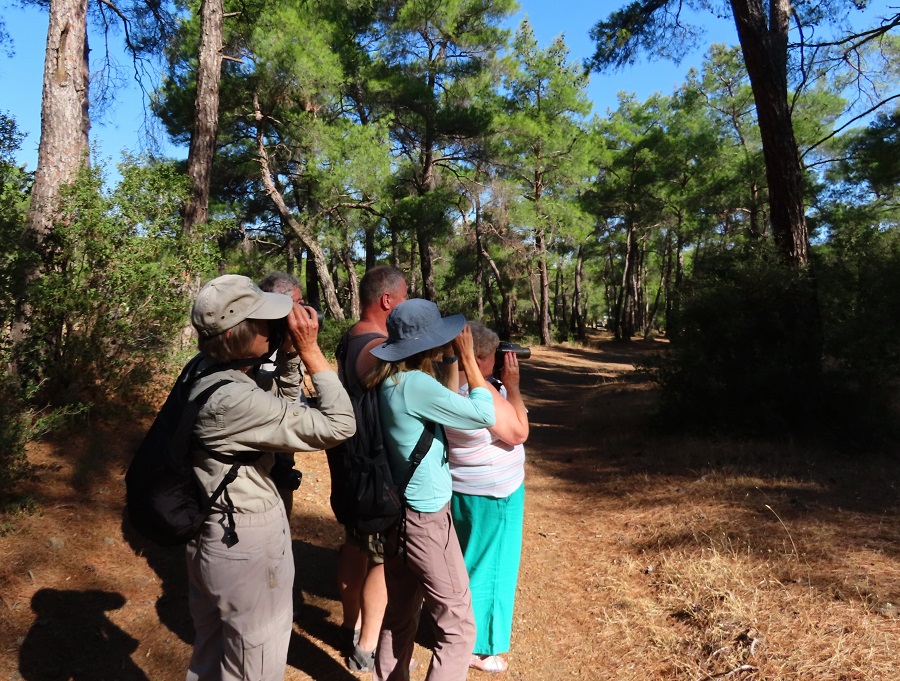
(395, 249)
(312, 290)
(426, 259)
(626, 313)
(352, 282)
(504, 319)
(413, 282)
(64, 114)
(479, 259)
(535, 305)
(290, 258)
(544, 281)
(370, 248)
(560, 302)
(206, 114)
(63, 147)
(641, 307)
(663, 285)
(302, 232)
(578, 324)
(765, 55)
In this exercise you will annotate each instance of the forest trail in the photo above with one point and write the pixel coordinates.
(617, 521)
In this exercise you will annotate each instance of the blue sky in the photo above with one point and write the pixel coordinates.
(120, 125)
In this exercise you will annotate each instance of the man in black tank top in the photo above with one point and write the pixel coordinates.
(360, 569)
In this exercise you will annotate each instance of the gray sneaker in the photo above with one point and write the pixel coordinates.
(361, 660)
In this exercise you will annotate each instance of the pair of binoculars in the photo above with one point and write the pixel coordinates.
(278, 329)
(504, 347)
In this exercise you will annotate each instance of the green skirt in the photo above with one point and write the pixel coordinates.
(490, 533)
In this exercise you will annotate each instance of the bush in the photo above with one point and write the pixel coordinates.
(330, 333)
(859, 275)
(107, 306)
(115, 289)
(14, 434)
(746, 347)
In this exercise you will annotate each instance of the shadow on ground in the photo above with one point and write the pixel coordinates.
(72, 638)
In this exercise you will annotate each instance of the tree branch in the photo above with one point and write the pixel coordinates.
(849, 123)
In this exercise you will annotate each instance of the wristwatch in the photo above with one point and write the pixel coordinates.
(449, 360)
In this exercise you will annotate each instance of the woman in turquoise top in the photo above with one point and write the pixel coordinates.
(431, 569)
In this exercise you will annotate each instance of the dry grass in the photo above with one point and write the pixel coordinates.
(645, 557)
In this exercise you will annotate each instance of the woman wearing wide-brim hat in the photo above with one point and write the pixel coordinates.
(431, 567)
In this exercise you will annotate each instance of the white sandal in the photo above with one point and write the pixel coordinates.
(493, 664)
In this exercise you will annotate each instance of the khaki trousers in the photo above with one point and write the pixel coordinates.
(240, 598)
(432, 570)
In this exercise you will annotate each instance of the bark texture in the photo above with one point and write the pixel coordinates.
(764, 42)
(206, 113)
(64, 113)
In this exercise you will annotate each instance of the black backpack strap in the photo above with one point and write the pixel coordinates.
(415, 458)
(418, 453)
(422, 446)
(347, 354)
(204, 395)
(236, 460)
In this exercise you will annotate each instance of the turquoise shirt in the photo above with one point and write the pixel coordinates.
(406, 402)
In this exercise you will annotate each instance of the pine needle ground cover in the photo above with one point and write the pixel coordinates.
(646, 557)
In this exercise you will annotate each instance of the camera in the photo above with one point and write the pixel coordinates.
(284, 475)
(504, 347)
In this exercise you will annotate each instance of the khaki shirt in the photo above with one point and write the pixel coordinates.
(243, 417)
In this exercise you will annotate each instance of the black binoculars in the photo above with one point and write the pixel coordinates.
(504, 347)
(278, 330)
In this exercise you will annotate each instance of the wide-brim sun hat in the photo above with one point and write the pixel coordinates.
(414, 326)
(228, 300)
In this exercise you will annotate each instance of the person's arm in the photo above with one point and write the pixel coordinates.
(512, 417)
(257, 420)
(450, 368)
(466, 352)
(428, 399)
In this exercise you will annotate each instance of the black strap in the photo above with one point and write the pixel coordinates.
(421, 449)
(234, 364)
(347, 353)
(236, 460)
(204, 395)
(415, 458)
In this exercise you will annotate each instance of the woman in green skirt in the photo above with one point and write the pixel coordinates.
(488, 504)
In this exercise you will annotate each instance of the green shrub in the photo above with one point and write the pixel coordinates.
(108, 303)
(116, 287)
(859, 275)
(330, 333)
(746, 349)
(14, 433)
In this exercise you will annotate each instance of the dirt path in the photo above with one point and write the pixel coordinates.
(618, 523)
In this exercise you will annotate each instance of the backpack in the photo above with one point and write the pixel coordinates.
(163, 498)
(364, 496)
